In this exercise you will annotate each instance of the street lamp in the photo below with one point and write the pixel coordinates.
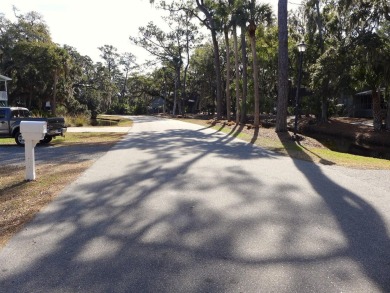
(301, 50)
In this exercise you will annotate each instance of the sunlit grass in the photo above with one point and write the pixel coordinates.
(76, 138)
(7, 141)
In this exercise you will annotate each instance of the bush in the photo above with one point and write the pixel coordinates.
(78, 120)
(61, 111)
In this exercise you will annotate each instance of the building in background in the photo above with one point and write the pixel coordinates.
(3, 90)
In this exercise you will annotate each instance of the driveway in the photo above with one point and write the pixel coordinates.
(175, 207)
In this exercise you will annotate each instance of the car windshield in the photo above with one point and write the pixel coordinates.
(24, 113)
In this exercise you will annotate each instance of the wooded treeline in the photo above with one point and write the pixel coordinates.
(234, 58)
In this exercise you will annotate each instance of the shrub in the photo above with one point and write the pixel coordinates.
(78, 120)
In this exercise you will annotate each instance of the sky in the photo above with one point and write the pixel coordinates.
(87, 25)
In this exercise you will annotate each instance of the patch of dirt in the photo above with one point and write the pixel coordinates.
(20, 200)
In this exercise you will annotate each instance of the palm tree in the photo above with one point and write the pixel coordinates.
(281, 115)
(211, 24)
(242, 17)
(257, 14)
(235, 22)
(252, 33)
(237, 69)
(226, 13)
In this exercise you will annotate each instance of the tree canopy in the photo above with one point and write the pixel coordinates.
(235, 45)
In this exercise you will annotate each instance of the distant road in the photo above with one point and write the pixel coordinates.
(99, 129)
(177, 207)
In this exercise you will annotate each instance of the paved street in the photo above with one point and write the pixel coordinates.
(175, 207)
(99, 129)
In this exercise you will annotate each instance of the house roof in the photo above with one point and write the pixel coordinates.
(368, 92)
(4, 78)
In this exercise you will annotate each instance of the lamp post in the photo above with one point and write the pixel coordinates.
(301, 50)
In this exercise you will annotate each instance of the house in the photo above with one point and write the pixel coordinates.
(3, 90)
(157, 105)
(360, 104)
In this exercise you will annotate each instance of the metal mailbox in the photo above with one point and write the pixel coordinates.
(33, 130)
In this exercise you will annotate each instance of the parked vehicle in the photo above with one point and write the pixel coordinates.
(10, 118)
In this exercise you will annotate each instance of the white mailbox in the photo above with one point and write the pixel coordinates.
(32, 132)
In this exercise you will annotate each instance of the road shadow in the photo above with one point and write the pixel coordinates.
(174, 219)
(255, 135)
(321, 159)
(363, 227)
(55, 153)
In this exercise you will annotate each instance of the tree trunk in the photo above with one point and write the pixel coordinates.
(124, 86)
(54, 100)
(376, 110)
(217, 64)
(388, 113)
(184, 87)
(324, 100)
(237, 77)
(175, 96)
(228, 100)
(244, 74)
(281, 114)
(30, 97)
(252, 33)
(324, 109)
(187, 48)
(179, 99)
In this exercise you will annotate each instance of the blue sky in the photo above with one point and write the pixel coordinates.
(87, 26)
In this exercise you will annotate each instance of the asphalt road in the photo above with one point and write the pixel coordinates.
(174, 207)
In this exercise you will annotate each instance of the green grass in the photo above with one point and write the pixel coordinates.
(7, 141)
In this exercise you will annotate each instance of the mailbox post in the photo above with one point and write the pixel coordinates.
(32, 132)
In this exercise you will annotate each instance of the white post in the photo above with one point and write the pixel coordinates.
(29, 153)
(32, 132)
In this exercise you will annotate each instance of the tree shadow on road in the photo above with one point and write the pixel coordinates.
(176, 220)
(366, 233)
